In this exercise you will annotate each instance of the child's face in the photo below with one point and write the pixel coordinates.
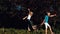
(48, 14)
(31, 12)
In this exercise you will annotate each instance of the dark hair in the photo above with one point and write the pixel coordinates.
(47, 12)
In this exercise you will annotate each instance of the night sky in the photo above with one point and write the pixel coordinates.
(12, 12)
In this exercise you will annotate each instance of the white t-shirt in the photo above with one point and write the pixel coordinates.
(29, 17)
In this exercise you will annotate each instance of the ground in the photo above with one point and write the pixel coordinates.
(23, 31)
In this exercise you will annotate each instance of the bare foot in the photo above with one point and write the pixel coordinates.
(52, 33)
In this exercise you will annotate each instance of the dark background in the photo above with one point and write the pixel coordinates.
(11, 16)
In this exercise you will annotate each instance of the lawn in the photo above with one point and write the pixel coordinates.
(23, 31)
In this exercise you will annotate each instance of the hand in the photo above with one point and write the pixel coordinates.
(23, 18)
(55, 14)
(28, 9)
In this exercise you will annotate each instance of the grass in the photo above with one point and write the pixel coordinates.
(22, 31)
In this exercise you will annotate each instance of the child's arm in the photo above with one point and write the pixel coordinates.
(29, 10)
(42, 22)
(52, 15)
(24, 17)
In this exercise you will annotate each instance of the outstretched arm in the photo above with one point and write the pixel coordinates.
(52, 15)
(24, 17)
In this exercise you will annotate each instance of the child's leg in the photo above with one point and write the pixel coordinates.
(50, 29)
(46, 31)
(29, 29)
(29, 26)
(46, 28)
(35, 27)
